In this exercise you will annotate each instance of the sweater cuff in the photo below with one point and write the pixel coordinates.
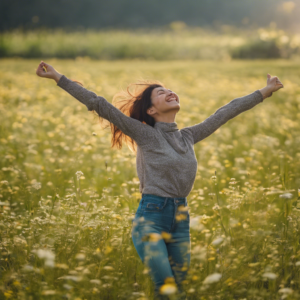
(63, 80)
(259, 95)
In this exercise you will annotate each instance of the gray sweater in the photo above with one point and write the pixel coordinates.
(166, 162)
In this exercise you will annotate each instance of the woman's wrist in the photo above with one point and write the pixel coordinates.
(57, 76)
(266, 92)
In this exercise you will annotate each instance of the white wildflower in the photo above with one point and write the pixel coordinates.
(217, 241)
(285, 291)
(95, 281)
(270, 275)
(27, 268)
(286, 196)
(48, 255)
(79, 174)
(36, 185)
(195, 223)
(80, 256)
(19, 242)
(215, 277)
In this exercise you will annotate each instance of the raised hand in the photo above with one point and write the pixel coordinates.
(47, 71)
(274, 83)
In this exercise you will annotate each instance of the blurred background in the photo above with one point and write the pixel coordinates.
(169, 29)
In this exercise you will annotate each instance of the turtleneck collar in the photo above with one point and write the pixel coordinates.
(167, 127)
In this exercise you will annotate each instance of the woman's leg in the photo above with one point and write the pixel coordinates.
(168, 259)
(154, 254)
(179, 249)
(180, 258)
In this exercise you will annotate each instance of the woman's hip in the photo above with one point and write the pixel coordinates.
(162, 214)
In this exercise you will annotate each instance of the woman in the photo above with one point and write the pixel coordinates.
(166, 166)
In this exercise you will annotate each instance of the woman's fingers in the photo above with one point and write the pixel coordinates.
(279, 83)
(274, 83)
(44, 70)
(40, 71)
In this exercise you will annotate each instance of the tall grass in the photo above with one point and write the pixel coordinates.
(67, 199)
(159, 45)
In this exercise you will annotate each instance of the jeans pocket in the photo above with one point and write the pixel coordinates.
(153, 205)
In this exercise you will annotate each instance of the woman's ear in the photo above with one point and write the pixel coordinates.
(151, 111)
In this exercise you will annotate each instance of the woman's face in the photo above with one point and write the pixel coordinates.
(164, 101)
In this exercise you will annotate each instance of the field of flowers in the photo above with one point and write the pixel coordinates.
(67, 199)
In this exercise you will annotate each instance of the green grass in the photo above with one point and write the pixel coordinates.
(247, 232)
(175, 43)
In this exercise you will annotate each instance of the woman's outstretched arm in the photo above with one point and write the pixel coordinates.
(138, 131)
(232, 109)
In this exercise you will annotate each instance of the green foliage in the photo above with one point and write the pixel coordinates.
(258, 49)
(177, 43)
(67, 200)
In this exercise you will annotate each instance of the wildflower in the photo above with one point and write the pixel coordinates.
(19, 242)
(80, 256)
(286, 196)
(27, 268)
(78, 174)
(71, 277)
(195, 223)
(169, 287)
(36, 185)
(49, 292)
(216, 207)
(166, 236)
(215, 277)
(269, 275)
(217, 241)
(62, 266)
(95, 281)
(285, 291)
(48, 255)
(154, 237)
(67, 286)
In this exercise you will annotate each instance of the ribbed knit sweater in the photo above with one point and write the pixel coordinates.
(166, 163)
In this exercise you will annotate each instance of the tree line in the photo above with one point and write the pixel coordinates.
(127, 14)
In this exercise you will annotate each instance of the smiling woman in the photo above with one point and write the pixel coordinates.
(166, 165)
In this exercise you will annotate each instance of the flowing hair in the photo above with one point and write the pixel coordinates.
(133, 102)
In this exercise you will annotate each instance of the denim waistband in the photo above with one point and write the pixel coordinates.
(163, 198)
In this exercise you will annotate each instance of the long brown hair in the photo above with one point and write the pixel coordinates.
(134, 103)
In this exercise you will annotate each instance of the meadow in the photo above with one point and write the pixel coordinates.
(67, 199)
(174, 42)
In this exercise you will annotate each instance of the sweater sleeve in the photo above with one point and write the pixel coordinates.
(223, 114)
(138, 131)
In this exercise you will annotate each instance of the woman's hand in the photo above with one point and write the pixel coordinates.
(46, 71)
(273, 85)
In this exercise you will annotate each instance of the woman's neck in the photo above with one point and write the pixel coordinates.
(167, 118)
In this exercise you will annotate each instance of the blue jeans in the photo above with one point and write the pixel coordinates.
(161, 236)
